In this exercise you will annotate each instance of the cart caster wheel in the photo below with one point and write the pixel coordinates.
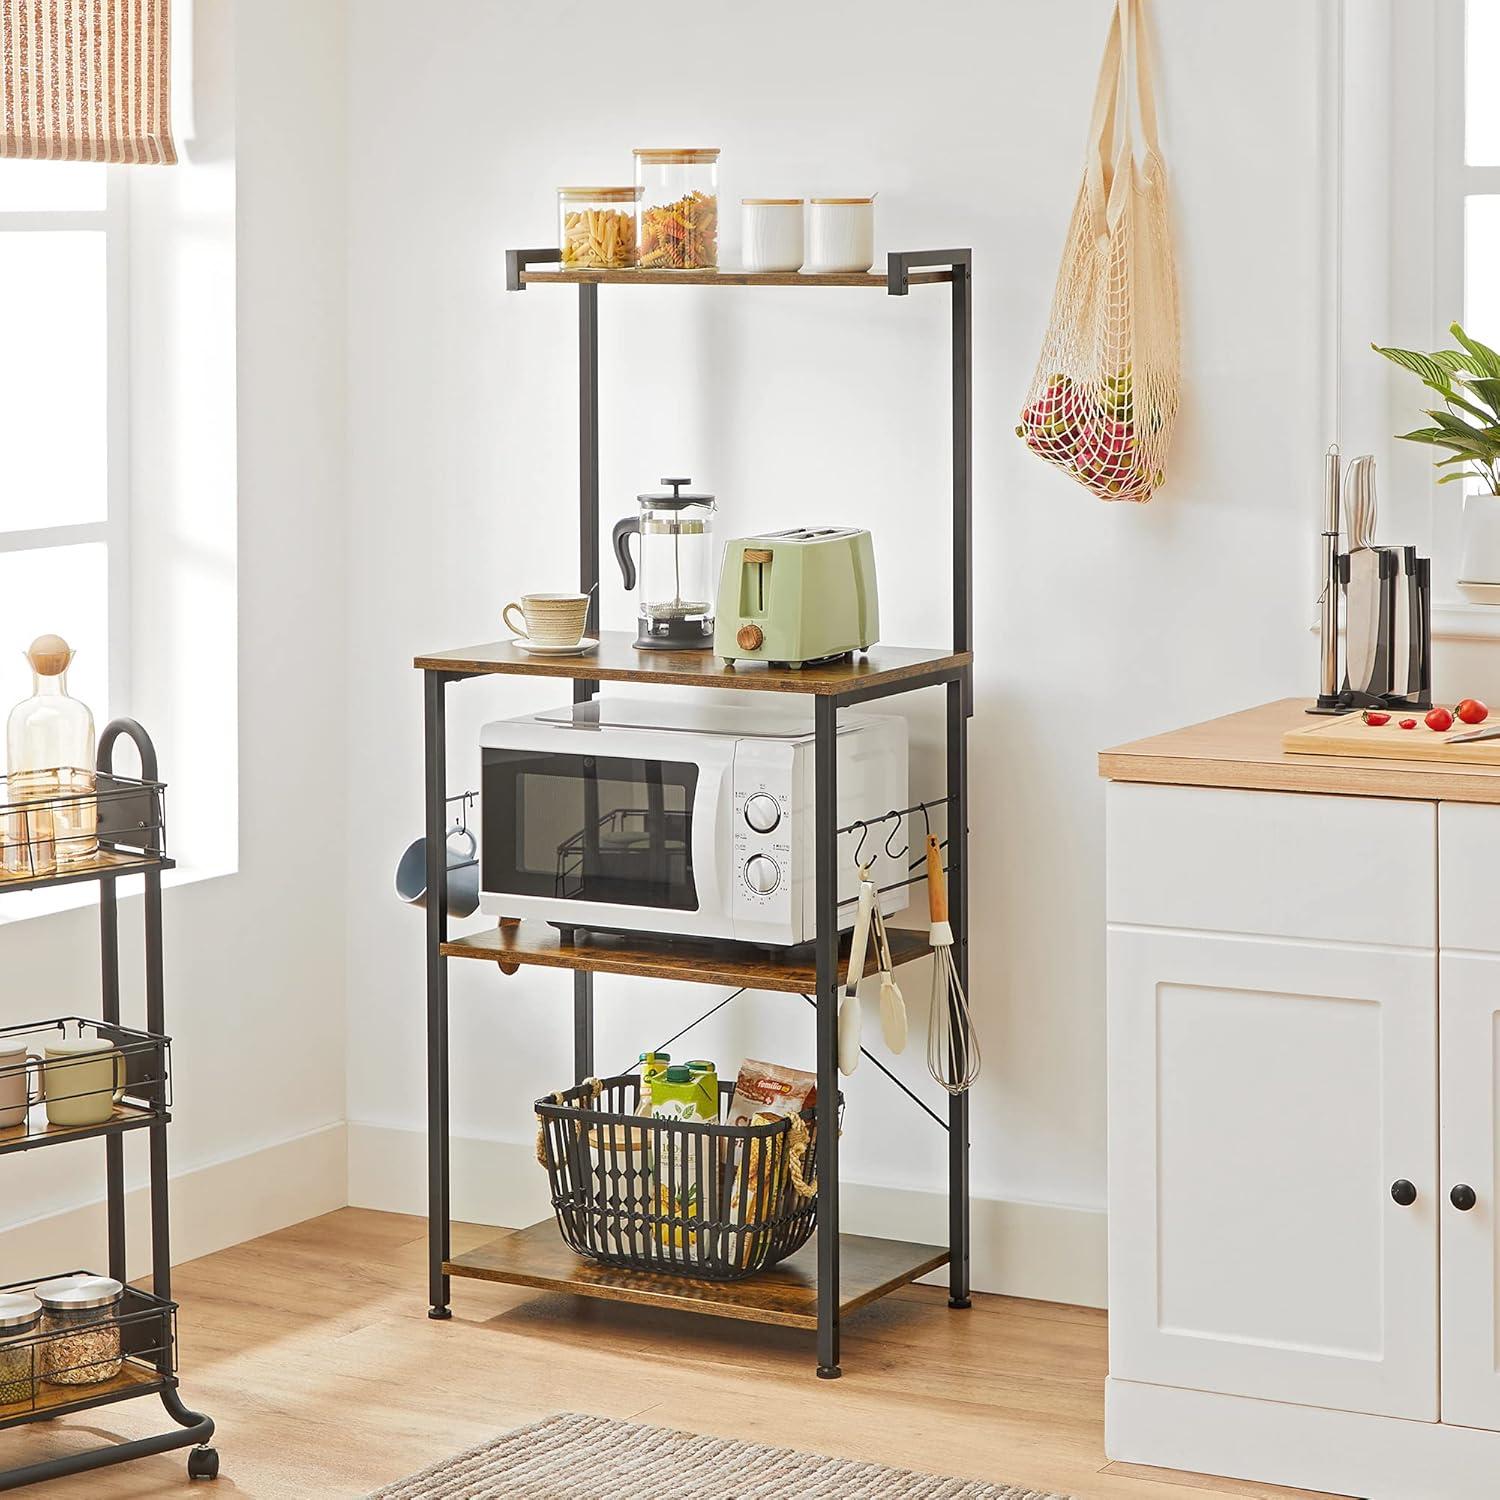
(203, 1463)
(829, 1372)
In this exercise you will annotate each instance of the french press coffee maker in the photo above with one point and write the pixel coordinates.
(676, 557)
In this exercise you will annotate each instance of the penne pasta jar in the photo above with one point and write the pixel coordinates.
(679, 207)
(596, 227)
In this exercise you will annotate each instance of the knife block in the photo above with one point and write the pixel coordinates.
(1401, 675)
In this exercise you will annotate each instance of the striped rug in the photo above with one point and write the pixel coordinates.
(571, 1457)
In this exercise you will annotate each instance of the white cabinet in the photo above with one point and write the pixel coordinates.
(1264, 1097)
(1470, 1114)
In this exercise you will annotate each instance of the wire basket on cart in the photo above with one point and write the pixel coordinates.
(710, 1201)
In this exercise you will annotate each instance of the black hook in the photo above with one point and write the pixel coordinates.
(859, 848)
(926, 821)
(895, 818)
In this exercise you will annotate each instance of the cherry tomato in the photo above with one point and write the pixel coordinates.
(1374, 716)
(1408, 724)
(1472, 711)
(1439, 719)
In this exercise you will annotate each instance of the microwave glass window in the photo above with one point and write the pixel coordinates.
(611, 831)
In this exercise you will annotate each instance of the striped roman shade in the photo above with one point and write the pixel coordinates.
(85, 80)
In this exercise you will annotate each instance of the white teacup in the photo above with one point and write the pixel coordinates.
(549, 619)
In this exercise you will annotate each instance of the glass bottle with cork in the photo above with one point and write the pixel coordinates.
(49, 741)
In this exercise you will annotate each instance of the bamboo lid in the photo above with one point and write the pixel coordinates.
(677, 153)
(602, 194)
(870, 199)
(49, 655)
(772, 202)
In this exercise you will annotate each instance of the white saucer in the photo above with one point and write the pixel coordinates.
(578, 648)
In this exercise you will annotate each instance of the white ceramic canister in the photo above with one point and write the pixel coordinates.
(840, 234)
(771, 234)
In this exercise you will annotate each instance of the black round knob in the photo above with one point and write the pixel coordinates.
(1404, 1192)
(1463, 1198)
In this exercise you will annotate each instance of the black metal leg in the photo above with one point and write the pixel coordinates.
(114, 1146)
(827, 953)
(439, 1216)
(583, 1025)
(958, 915)
(156, 1022)
(963, 469)
(588, 448)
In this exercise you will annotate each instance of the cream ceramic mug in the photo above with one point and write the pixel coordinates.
(549, 619)
(16, 1067)
(83, 1078)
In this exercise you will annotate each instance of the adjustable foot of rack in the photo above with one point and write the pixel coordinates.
(829, 1372)
(438, 1314)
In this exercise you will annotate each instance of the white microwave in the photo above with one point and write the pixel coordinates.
(624, 815)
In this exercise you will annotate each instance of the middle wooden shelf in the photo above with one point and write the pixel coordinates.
(791, 970)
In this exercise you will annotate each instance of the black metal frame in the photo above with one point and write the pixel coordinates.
(193, 1429)
(959, 688)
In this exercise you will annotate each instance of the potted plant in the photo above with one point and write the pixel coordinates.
(1468, 426)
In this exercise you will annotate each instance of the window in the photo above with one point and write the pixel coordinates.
(1473, 181)
(64, 424)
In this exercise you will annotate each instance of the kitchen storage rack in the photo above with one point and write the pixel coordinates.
(132, 840)
(715, 1201)
(835, 1273)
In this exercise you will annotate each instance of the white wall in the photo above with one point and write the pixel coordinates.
(254, 961)
(1094, 624)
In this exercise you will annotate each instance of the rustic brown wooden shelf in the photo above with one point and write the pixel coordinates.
(740, 964)
(618, 660)
(787, 1294)
(40, 1132)
(728, 276)
(105, 864)
(133, 1380)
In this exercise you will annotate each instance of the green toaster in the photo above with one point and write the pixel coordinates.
(798, 597)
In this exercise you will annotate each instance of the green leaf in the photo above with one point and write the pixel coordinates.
(1485, 358)
(1460, 476)
(1488, 418)
(1452, 360)
(1424, 366)
(1423, 435)
(1487, 388)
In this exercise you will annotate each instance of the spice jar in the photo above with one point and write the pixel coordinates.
(596, 227)
(679, 207)
(20, 1313)
(84, 1310)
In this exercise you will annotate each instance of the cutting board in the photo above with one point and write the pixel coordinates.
(1350, 735)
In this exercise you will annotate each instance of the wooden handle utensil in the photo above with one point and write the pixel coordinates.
(937, 887)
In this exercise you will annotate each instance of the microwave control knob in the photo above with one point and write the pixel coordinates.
(762, 874)
(762, 811)
(750, 637)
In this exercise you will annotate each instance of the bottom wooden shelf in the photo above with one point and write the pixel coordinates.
(787, 1294)
(55, 1400)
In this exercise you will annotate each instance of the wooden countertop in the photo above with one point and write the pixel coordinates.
(1244, 750)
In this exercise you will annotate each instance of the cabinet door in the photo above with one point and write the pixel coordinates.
(1470, 1016)
(1264, 1097)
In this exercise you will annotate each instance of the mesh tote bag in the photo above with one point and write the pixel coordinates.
(1103, 401)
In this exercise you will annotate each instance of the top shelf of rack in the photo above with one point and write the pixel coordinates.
(904, 269)
(618, 660)
(728, 277)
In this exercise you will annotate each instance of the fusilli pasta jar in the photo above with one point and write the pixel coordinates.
(596, 227)
(679, 207)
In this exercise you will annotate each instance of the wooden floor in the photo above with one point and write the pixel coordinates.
(313, 1351)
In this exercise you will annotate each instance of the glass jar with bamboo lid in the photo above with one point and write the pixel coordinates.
(596, 227)
(679, 207)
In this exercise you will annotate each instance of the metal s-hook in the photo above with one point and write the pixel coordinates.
(895, 818)
(859, 848)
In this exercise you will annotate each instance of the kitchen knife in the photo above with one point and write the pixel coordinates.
(1489, 732)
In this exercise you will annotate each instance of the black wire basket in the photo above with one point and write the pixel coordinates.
(708, 1201)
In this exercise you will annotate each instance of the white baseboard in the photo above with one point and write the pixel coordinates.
(212, 1207)
(1309, 1447)
(1037, 1250)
